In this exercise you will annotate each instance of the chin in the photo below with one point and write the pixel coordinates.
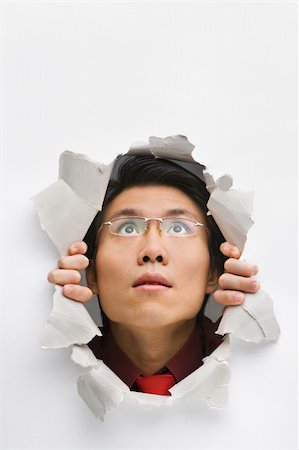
(158, 319)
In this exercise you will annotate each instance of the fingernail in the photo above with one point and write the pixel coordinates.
(255, 270)
(238, 298)
(254, 285)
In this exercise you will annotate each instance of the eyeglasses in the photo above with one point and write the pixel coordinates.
(169, 226)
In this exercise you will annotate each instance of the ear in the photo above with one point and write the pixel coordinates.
(91, 278)
(212, 282)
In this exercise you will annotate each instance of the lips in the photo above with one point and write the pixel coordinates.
(152, 279)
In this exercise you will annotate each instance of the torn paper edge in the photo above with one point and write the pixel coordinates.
(76, 168)
(102, 390)
(61, 317)
(69, 322)
(172, 147)
(254, 320)
(66, 217)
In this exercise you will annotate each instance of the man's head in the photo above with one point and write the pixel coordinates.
(149, 187)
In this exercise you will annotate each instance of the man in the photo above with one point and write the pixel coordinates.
(154, 259)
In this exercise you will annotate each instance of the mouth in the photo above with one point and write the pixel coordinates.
(151, 282)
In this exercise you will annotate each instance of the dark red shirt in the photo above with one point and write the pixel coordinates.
(201, 343)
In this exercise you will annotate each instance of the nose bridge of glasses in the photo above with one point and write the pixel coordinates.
(158, 220)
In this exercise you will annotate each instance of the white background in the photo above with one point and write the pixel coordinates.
(92, 78)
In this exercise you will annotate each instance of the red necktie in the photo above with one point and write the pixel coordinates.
(156, 384)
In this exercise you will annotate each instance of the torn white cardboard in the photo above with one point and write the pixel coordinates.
(102, 390)
(63, 215)
(68, 323)
(230, 208)
(66, 210)
(172, 147)
(254, 320)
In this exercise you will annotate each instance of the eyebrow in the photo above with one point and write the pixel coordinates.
(175, 212)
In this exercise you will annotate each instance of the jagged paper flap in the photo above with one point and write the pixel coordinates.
(172, 147)
(63, 215)
(253, 321)
(230, 208)
(209, 381)
(69, 323)
(101, 390)
(75, 169)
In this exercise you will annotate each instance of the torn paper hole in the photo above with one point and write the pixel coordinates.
(103, 391)
(66, 210)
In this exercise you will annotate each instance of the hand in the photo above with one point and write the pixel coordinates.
(237, 278)
(68, 275)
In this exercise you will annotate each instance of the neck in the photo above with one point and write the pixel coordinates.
(151, 349)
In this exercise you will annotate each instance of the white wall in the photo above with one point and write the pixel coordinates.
(94, 77)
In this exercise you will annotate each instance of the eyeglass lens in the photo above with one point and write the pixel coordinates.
(134, 226)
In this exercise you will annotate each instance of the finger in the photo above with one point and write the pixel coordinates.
(76, 262)
(63, 276)
(228, 297)
(78, 293)
(237, 267)
(78, 247)
(236, 283)
(230, 250)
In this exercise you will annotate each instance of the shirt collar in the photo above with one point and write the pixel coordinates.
(201, 342)
(118, 361)
(184, 362)
(188, 358)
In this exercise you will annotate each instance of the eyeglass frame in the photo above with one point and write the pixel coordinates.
(149, 219)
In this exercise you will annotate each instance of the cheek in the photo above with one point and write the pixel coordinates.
(194, 292)
(194, 262)
(108, 270)
(112, 277)
(194, 274)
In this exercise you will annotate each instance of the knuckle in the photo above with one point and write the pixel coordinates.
(222, 281)
(89, 294)
(219, 296)
(84, 247)
(227, 264)
(61, 262)
(85, 262)
(76, 277)
(79, 247)
(82, 261)
(225, 248)
(78, 293)
(82, 296)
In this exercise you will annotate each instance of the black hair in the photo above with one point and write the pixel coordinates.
(130, 171)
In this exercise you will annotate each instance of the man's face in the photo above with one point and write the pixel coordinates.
(183, 262)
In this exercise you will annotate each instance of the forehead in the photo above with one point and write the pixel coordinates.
(153, 201)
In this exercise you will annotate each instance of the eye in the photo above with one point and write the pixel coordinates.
(126, 228)
(178, 227)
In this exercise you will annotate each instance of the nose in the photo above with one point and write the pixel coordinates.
(151, 246)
